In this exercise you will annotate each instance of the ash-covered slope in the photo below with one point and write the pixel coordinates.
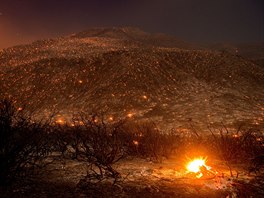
(122, 71)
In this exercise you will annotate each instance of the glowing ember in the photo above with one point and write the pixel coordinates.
(130, 115)
(60, 121)
(198, 166)
(259, 139)
(235, 136)
(135, 142)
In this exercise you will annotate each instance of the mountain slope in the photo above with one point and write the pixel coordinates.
(122, 72)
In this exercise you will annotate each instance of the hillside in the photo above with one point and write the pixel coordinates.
(128, 72)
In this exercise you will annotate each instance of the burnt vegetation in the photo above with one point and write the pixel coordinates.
(23, 143)
(26, 146)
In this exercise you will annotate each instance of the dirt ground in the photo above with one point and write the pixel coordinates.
(140, 178)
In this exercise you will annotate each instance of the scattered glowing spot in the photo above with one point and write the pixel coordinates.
(80, 81)
(145, 97)
(111, 118)
(135, 142)
(130, 115)
(19, 109)
(81, 123)
(235, 136)
(60, 121)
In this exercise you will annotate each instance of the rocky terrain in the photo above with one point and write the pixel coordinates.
(125, 72)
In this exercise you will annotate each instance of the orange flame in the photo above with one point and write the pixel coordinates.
(195, 166)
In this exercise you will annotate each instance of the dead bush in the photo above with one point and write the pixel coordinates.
(23, 143)
(146, 140)
(237, 147)
(94, 142)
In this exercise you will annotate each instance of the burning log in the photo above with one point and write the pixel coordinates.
(199, 169)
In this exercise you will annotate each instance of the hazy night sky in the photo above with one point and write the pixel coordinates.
(191, 20)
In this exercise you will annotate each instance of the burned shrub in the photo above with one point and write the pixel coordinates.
(252, 142)
(238, 146)
(94, 142)
(256, 164)
(227, 146)
(66, 141)
(102, 145)
(242, 146)
(23, 144)
(146, 140)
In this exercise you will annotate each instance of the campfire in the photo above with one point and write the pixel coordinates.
(198, 168)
